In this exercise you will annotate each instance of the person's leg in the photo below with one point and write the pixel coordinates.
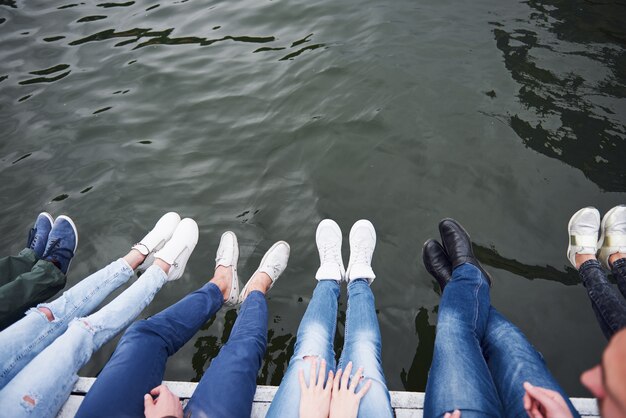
(23, 340)
(608, 306)
(512, 361)
(459, 377)
(362, 345)
(138, 363)
(41, 388)
(227, 388)
(14, 265)
(315, 337)
(618, 267)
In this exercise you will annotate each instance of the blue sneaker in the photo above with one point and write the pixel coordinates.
(62, 243)
(38, 235)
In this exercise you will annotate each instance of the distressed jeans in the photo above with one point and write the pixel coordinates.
(22, 341)
(362, 346)
(481, 360)
(607, 304)
(41, 388)
(226, 389)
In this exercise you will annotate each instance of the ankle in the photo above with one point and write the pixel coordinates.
(581, 258)
(223, 284)
(616, 256)
(162, 265)
(261, 282)
(134, 258)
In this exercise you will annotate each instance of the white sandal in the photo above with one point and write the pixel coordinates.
(273, 264)
(227, 256)
(583, 230)
(613, 238)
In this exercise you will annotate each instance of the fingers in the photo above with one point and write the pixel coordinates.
(329, 382)
(346, 376)
(148, 403)
(539, 396)
(301, 379)
(454, 414)
(356, 379)
(337, 380)
(364, 389)
(157, 390)
(312, 376)
(322, 375)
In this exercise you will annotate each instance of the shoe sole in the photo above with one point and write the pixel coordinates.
(569, 228)
(603, 228)
(235, 285)
(71, 222)
(337, 229)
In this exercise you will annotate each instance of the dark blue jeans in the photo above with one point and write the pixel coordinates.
(608, 305)
(138, 364)
(481, 359)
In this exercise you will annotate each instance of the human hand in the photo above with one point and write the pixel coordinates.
(544, 403)
(315, 398)
(165, 405)
(344, 402)
(454, 414)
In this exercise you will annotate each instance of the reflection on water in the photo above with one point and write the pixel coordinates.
(415, 378)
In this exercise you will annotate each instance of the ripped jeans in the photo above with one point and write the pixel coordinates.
(362, 346)
(43, 385)
(22, 341)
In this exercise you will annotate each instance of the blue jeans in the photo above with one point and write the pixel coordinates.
(138, 364)
(362, 346)
(481, 360)
(25, 339)
(41, 388)
(607, 304)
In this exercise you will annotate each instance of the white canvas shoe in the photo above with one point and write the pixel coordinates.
(362, 244)
(227, 256)
(156, 238)
(613, 239)
(583, 230)
(328, 239)
(273, 264)
(178, 249)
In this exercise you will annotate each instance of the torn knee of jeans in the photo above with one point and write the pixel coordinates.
(84, 323)
(310, 358)
(44, 311)
(47, 313)
(29, 402)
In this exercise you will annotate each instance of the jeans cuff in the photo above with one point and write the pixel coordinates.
(589, 264)
(619, 263)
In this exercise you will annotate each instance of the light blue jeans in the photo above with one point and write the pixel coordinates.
(22, 341)
(362, 346)
(41, 388)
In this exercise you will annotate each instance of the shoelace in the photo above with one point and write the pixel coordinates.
(32, 238)
(55, 250)
(332, 250)
(362, 255)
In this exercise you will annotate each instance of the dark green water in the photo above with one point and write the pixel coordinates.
(265, 117)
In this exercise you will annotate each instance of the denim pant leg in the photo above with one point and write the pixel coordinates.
(362, 346)
(42, 387)
(138, 363)
(26, 338)
(459, 377)
(619, 272)
(227, 388)
(608, 305)
(512, 361)
(315, 337)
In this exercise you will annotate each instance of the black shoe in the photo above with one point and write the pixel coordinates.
(436, 262)
(457, 244)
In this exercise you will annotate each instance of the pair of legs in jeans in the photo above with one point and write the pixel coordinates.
(41, 354)
(316, 333)
(481, 360)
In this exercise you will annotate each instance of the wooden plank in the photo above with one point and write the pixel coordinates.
(405, 404)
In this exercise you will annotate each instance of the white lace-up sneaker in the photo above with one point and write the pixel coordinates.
(328, 239)
(613, 239)
(583, 231)
(362, 244)
(227, 256)
(273, 264)
(178, 249)
(156, 238)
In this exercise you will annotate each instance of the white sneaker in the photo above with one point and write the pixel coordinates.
(178, 249)
(583, 230)
(362, 244)
(227, 256)
(156, 238)
(613, 239)
(328, 239)
(273, 264)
